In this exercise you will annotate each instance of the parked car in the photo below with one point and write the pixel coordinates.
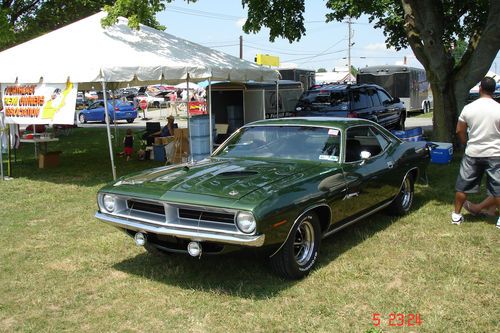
(474, 94)
(153, 101)
(279, 184)
(368, 101)
(117, 110)
(80, 101)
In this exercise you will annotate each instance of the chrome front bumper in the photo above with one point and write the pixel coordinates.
(201, 236)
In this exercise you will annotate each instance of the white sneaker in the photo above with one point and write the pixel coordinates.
(498, 223)
(456, 218)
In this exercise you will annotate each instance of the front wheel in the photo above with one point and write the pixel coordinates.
(156, 105)
(82, 118)
(130, 120)
(404, 200)
(300, 251)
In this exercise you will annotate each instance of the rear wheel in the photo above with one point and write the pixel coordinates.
(404, 200)
(300, 251)
(156, 104)
(400, 126)
(130, 120)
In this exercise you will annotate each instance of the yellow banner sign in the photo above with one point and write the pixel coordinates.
(39, 103)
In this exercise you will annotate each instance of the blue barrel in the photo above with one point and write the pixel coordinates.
(200, 136)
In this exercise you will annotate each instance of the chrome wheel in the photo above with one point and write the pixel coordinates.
(406, 194)
(303, 242)
(298, 254)
(402, 202)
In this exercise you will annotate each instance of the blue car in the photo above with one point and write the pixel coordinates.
(117, 109)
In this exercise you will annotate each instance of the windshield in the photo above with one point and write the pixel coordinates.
(284, 142)
(336, 99)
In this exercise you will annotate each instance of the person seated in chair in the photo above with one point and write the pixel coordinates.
(167, 130)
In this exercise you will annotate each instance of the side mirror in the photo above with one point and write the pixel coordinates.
(396, 100)
(365, 155)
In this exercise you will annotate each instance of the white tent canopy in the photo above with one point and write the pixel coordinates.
(86, 53)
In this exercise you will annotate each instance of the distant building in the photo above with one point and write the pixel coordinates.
(337, 76)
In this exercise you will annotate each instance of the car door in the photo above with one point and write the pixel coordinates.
(93, 112)
(372, 180)
(390, 111)
(361, 104)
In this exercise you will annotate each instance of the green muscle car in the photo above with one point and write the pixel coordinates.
(280, 185)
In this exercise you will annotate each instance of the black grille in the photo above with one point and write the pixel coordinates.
(206, 216)
(146, 207)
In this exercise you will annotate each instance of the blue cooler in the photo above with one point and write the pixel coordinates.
(441, 152)
(413, 134)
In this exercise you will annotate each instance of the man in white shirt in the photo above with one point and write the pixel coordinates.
(482, 155)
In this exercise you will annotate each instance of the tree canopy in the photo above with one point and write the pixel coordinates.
(456, 41)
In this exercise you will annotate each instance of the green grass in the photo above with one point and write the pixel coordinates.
(62, 270)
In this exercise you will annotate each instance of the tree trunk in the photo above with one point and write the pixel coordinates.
(444, 116)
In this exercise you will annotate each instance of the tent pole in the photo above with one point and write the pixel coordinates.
(188, 117)
(210, 114)
(113, 169)
(277, 100)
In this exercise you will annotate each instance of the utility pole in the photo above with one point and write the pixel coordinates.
(349, 50)
(241, 47)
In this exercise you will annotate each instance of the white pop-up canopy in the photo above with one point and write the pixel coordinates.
(84, 52)
(87, 54)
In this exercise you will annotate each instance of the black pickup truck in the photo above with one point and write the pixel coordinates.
(368, 101)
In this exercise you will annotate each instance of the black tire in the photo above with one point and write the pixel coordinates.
(404, 200)
(156, 105)
(298, 255)
(426, 107)
(400, 126)
(82, 118)
(130, 120)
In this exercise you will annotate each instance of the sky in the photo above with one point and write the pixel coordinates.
(217, 24)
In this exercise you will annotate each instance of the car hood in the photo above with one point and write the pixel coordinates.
(228, 178)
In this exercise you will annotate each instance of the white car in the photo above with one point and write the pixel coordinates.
(153, 101)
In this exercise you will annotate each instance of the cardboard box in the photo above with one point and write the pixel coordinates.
(167, 140)
(49, 159)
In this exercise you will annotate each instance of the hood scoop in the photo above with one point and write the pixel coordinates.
(237, 174)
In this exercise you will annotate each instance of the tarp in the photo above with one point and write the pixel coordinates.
(84, 52)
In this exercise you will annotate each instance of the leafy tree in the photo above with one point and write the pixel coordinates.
(431, 28)
(321, 70)
(21, 20)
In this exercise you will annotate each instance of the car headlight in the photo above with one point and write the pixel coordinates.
(246, 222)
(108, 202)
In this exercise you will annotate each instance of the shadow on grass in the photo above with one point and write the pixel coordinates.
(243, 274)
(84, 160)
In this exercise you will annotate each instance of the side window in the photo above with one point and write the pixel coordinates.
(364, 138)
(360, 99)
(384, 98)
(374, 96)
